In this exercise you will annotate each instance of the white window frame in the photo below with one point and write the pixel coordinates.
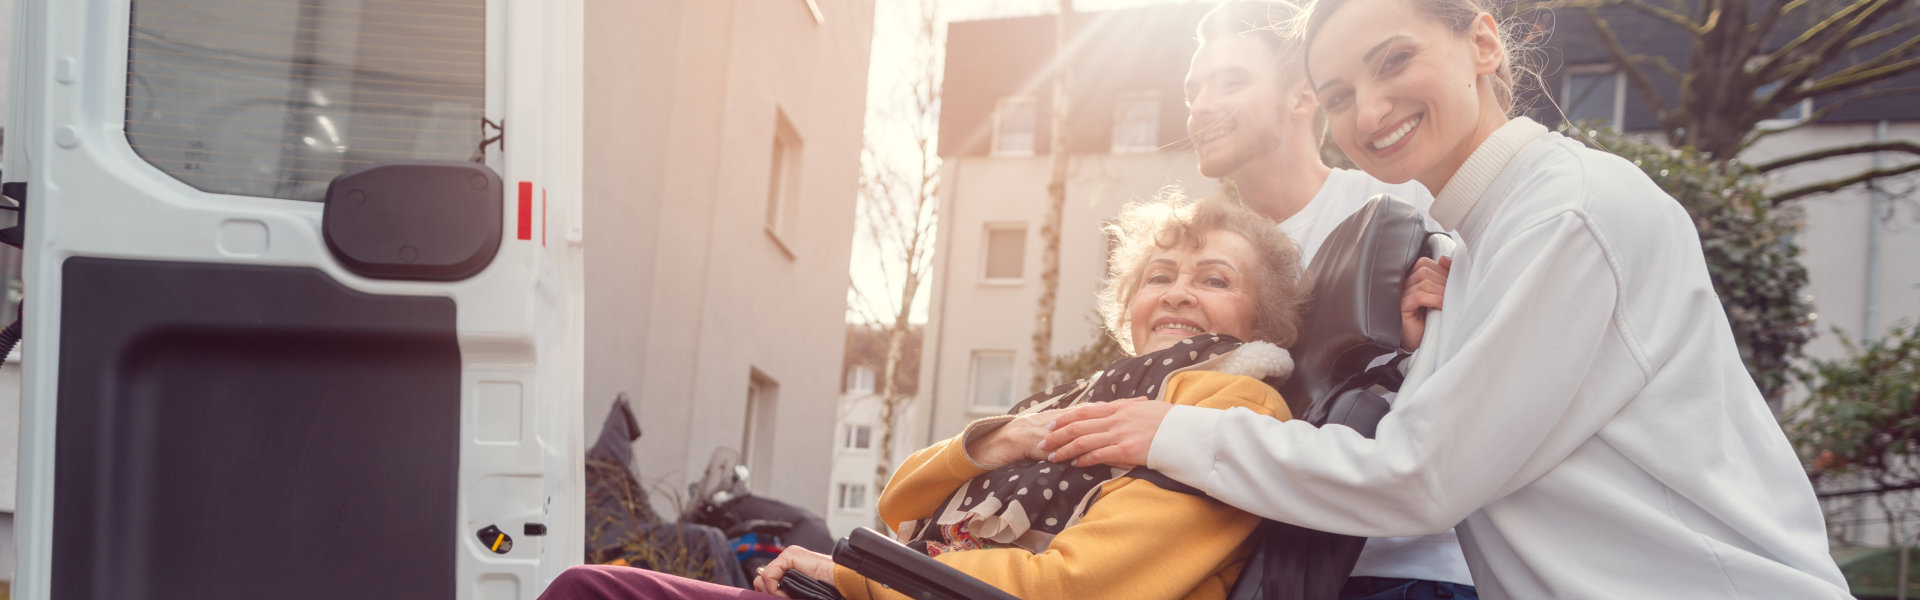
(986, 252)
(847, 437)
(1619, 119)
(762, 416)
(840, 497)
(784, 172)
(859, 374)
(1150, 96)
(1805, 106)
(1000, 109)
(973, 380)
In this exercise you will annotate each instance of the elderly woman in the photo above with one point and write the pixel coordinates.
(1188, 282)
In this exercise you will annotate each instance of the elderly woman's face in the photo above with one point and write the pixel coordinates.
(1185, 292)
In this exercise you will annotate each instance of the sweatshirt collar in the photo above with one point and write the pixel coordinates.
(1456, 200)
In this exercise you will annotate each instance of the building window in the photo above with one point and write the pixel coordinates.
(1136, 122)
(1595, 93)
(1006, 252)
(860, 380)
(783, 178)
(756, 438)
(1792, 115)
(856, 437)
(1014, 119)
(276, 99)
(852, 496)
(992, 380)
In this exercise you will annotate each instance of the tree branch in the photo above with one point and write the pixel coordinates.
(1781, 163)
(1857, 76)
(1876, 36)
(1758, 32)
(1670, 16)
(1880, 489)
(1830, 108)
(1641, 84)
(1838, 184)
(1657, 12)
(1831, 48)
(1820, 29)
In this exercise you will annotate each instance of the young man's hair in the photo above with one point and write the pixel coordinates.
(1270, 23)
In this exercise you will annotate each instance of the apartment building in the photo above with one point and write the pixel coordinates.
(721, 159)
(1126, 143)
(852, 493)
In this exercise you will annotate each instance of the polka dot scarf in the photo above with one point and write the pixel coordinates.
(1025, 504)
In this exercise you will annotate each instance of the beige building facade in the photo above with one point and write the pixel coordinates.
(721, 159)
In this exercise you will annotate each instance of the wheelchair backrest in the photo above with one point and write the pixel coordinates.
(1354, 316)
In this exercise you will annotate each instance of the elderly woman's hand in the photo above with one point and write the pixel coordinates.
(1425, 289)
(794, 558)
(1117, 433)
(1013, 442)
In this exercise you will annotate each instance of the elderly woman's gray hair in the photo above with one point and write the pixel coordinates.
(1144, 229)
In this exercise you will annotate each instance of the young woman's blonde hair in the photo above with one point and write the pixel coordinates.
(1146, 228)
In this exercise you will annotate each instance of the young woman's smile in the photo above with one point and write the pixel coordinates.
(1402, 92)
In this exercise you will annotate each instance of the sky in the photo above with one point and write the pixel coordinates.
(889, 79)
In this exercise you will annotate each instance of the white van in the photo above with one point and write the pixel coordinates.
(304, 280)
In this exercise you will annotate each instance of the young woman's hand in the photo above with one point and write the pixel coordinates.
(794, 558)
(1425, 289)
(1117, 433)
(1013, 442)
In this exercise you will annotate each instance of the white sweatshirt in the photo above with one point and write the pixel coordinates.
(1434, 557)
(1589, 426)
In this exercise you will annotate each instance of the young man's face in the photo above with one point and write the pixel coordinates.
(1234, 104)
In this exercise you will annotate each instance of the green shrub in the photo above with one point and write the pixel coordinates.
(1864, 413)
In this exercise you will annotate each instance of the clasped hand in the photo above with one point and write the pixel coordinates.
(1117, 433)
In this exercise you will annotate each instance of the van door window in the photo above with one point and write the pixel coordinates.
(273, 98)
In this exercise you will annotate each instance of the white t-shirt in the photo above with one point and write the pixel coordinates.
(1345, 192)
(1430, 557)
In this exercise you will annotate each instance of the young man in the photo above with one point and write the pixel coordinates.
(1253, 121)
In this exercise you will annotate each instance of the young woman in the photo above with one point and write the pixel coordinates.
(1186, 281)
(1589, 427)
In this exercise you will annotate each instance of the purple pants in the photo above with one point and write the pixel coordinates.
(603, 582)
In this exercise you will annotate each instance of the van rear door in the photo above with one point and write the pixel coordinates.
(303, 290)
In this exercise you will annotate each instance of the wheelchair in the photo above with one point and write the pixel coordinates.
(1352, 321)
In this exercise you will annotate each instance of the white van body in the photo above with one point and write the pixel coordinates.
(228, 421)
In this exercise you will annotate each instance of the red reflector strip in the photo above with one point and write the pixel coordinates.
(526, 210)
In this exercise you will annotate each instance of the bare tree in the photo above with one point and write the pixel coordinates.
(899, 202)
(1056, 201)
(1751, 60)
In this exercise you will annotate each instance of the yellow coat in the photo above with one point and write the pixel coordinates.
(1136, 541)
